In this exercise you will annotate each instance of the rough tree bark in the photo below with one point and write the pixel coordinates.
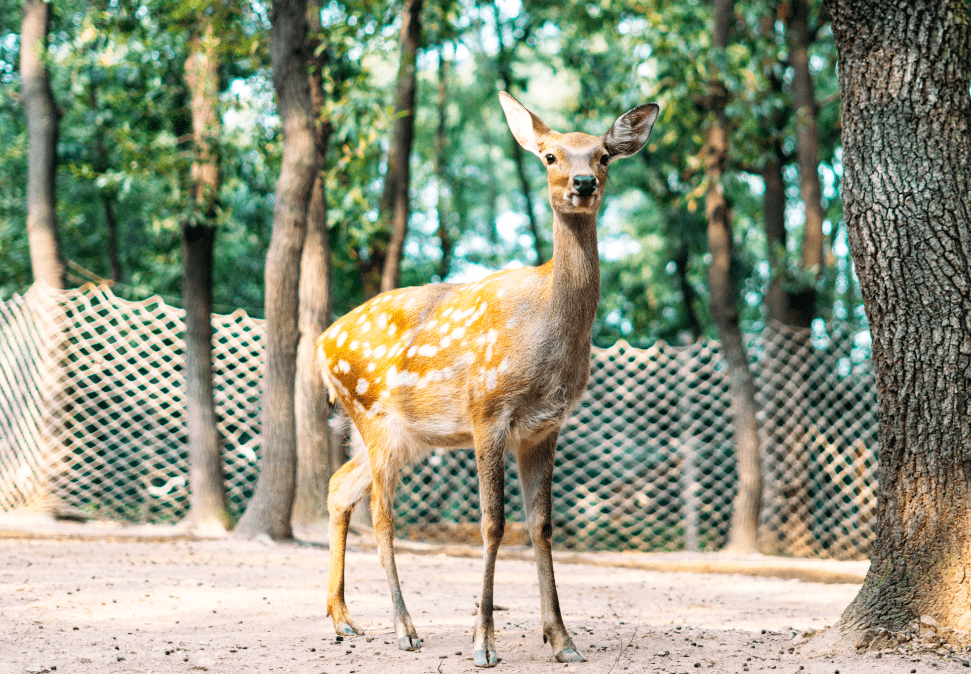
(207, 503)
(904, 71)
(271, 507)
(42, 128)
(395, 204)
(743, 535)
(316, 459)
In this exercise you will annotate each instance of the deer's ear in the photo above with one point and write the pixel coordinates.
(631, 131)
(526, 127)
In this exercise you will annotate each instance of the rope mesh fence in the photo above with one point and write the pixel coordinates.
(92, 423)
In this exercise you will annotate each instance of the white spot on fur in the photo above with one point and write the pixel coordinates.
(344, 366)
(491, 381)
(341, 338)
(371, 367)
(427, 350)
(412, 351)
(504, 365)
(362, 386)
(353, 345)
(380, 351)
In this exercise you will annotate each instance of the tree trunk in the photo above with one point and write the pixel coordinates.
(904, 71)
(441, 169)
(745, 513)
(315, 450)
(100, 167)
(42, 128)
(271, 507)
(688, 295)
(504, 65)
(207, 507)
(807, 143)
(394, 203)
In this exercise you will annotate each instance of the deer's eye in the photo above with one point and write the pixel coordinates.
(550, 159)
(604, 160)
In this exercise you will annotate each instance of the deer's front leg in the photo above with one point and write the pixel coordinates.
(536, 475)
(382, 498)
(490, 461)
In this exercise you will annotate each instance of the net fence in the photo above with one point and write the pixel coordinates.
(92, 423)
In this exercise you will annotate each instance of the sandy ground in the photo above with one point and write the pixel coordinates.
(79, 598)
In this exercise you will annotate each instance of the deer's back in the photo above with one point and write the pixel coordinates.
(427, 365)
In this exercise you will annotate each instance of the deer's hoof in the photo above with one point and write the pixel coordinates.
(569, 655)
(348, 629)
(485, 658)
(409, 643)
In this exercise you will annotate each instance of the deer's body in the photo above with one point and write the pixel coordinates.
(496, 365)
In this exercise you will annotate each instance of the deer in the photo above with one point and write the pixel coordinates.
(495, 365)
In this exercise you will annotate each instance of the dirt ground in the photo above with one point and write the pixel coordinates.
(89, 598)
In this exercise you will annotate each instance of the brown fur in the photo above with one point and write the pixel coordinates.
(497, 364)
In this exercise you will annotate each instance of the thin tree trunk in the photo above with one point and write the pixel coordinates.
(395, 202)
(688, 295)
(807, 140)
(745, 513)
(100, 166)
(42, 115)
(316, 460)
(441, 168)
(504, 65)
(774, 218)
(904, 71)
(207, 506)
(271, 507)
(519, 161)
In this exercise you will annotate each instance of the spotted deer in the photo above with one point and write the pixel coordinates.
(496, 365)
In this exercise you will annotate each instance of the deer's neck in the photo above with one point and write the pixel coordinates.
(574, 290)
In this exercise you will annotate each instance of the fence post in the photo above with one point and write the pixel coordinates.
(688, 450)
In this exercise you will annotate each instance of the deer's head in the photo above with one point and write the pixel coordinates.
(576, 163)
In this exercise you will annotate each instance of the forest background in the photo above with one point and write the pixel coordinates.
(125, 188)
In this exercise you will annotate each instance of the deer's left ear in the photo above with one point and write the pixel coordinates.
(526, 127)
(631, 131)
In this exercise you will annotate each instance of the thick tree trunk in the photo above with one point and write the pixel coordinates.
(748, 500)
(207, 506)
(271, 507)
(316, 461)
(904, 71)
(395, 203)
(42, 128)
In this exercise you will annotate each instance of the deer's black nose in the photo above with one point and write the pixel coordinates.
(585, 185)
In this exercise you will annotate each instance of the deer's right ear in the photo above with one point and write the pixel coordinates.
(525, 126)
(631, 131)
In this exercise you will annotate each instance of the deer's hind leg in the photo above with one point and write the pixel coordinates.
(384, 470)
(347, 486)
